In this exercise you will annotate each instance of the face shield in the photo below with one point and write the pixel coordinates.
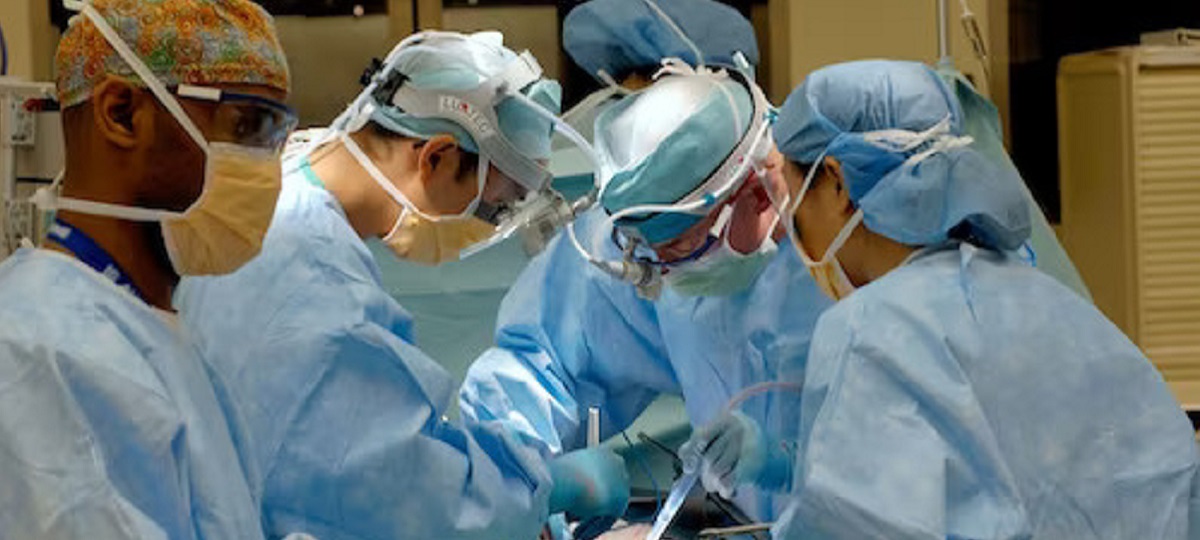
(694, 210)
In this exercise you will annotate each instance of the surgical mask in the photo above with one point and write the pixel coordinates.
(721, 273)
(827, 272)
(417, 239)
(224, 228)
(423, 238)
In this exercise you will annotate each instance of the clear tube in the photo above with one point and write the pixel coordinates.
(975, 36)
(759, 389)
(943, 25)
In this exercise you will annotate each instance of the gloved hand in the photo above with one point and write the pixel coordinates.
(733, 450)
(589, 483)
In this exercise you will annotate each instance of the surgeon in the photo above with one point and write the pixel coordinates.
(345, 412)
(952, 391)
(732, 311)
(110, 426)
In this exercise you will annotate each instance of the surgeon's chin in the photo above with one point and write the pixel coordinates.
(750, 225)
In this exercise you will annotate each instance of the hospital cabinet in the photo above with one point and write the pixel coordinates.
(1129, 146)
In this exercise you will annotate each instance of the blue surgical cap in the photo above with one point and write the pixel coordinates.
(662, 143)
(462, 64)
(620, 36)
(955, 193)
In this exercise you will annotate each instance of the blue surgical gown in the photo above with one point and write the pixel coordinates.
(570, 338)
(345, 413)
(965, 395)
(110, 426)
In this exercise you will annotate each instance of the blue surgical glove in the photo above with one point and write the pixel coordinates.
(733, 450)
(589, 483)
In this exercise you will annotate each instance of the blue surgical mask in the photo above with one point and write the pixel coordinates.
(721, 273)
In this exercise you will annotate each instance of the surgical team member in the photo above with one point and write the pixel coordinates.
(734, 311)
(110, 426)
(344, 411)
(953, 392)
(622, 43)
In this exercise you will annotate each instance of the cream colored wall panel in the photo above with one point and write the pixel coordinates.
(1095, 157)
(822, 32)
(1186, 386)
(760, 18)
(400, 19)
(1130, 152)
(829, 31)
(327, 55)
(780, 40)
(18, 32)
(30, 37)
(1168, 153)
(524, 27)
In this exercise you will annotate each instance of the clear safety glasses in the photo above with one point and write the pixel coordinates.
(244, 119)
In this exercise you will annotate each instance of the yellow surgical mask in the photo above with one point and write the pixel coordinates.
(422, 241)
(420, 237)
(831, 279)
(225, 227)
(828, 272)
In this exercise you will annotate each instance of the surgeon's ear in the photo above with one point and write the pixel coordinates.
(117, 111)
(438, 162)
(445, 188)
(841, 192)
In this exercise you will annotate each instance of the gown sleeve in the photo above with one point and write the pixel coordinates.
(568, 338)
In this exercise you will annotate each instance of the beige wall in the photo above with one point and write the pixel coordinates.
(524, 27)
(327, 55)
(760, 18)
(31, 39)
(821, 32)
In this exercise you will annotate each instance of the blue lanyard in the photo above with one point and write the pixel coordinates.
(90, 253)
